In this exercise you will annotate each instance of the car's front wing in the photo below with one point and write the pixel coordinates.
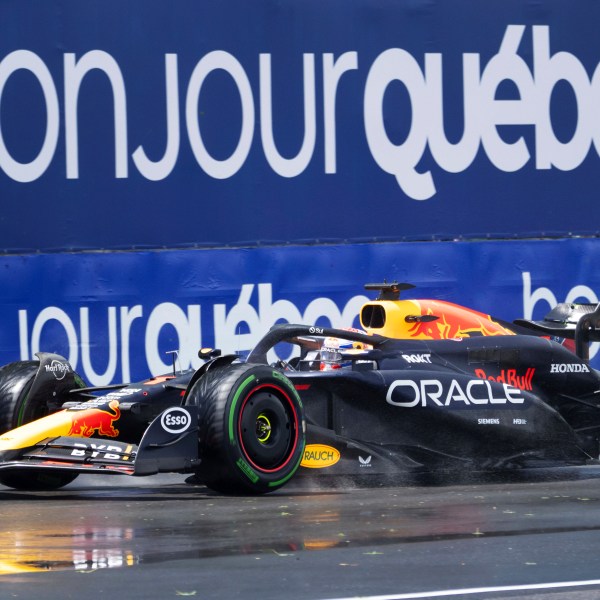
(170, 444)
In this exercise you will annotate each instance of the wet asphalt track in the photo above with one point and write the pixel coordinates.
(115, 537)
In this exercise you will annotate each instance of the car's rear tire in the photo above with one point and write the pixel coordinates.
(251, 429)
(16, 409)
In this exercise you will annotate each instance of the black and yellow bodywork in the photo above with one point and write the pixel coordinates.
(428, 385)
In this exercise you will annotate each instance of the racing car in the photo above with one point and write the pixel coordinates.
(424, 386)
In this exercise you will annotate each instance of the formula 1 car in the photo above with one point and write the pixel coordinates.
(427, 386)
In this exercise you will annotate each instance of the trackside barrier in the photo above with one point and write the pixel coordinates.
(116, 315)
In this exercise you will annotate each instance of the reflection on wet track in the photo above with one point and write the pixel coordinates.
(420, 537)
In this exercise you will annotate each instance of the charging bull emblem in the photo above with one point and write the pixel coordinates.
(94, 420)
(454, 322)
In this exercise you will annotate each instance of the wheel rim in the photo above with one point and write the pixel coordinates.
(267, 428)
(263, 428)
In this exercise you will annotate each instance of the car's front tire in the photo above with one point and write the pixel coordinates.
(18, 408)
(251, 429)
(36, 480)
(15, 406)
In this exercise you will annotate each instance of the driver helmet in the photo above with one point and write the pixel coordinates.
(332, 349)
(331, 357)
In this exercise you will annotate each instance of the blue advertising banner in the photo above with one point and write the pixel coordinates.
(154, 124)
(116, 315)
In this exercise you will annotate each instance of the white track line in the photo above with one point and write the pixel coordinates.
(480, 590)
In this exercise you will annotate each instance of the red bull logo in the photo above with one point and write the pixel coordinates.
(454, 322)
(92, 421)
(511, 377)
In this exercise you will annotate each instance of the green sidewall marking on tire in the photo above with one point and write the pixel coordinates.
(289, 475)
(289, 384)
(234, 402)
(20, 417)
(24, 403)
(246, 469)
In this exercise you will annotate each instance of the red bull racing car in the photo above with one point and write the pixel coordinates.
(426, 386)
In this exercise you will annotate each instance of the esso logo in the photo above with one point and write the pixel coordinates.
(176, 420)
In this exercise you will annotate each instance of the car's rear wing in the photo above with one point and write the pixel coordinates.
(579, 322)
